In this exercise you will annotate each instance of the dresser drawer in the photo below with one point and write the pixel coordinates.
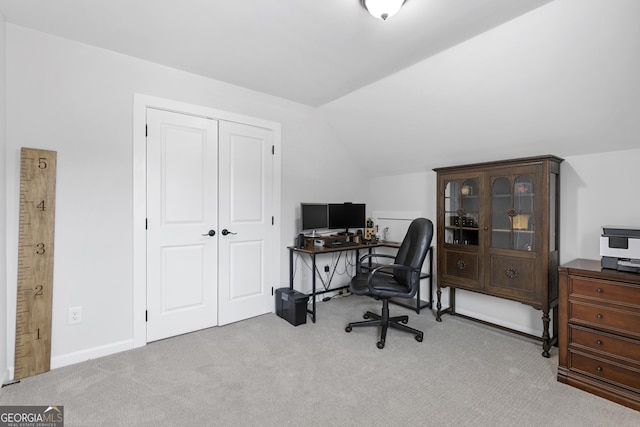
(608, 318)
(605, 291)
(619, 374)
(605, 343)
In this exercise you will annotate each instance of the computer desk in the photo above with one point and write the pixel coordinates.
(313, 252)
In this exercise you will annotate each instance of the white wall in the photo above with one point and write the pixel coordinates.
(560, 79)
(78, 100)
(403, 196)
(596, 190)
(313, 172)
(3, 210)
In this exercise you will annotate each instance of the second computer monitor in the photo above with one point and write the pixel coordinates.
(347, 215)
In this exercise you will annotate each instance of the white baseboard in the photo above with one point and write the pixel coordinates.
(500, 322)
(5, 376)
(82, 356)
(91, 353)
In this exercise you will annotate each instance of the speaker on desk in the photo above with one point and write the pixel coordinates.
(300, 241)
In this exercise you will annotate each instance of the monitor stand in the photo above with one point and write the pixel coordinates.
(345, 233)
(313, 234)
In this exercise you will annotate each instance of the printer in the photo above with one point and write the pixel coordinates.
(620, 248)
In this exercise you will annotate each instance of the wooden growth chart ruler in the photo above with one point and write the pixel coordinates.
(35, 262)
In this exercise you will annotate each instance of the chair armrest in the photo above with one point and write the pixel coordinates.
(368, 257)
(378, 270)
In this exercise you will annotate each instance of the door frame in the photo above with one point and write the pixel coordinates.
(140, 104)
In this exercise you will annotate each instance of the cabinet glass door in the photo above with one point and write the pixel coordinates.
(461, 211)
(512, 213)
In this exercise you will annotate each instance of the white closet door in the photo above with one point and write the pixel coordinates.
(182, 259)
(245, 200)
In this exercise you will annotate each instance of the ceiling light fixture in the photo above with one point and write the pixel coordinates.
(382, 9)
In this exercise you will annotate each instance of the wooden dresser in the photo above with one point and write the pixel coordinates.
(599, 331)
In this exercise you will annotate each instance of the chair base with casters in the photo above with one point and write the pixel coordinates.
(383, 320)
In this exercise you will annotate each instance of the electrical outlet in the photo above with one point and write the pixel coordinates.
(326, 268)
(74, 316)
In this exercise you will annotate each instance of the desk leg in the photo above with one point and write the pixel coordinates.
(290, 268)
(431, 278)
(419, 301)
(313, 288)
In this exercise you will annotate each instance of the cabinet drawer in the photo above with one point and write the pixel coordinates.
(513, 275)
(625, 376)
(605, 291)
(605, 343)
(609, 318)
(461, 264)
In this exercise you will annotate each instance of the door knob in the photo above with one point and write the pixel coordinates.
(225, 232)
(211, 233)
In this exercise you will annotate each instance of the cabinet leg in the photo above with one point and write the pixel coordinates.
(546, 339)
(438, 304)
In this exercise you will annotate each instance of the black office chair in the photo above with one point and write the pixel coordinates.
(400, 279)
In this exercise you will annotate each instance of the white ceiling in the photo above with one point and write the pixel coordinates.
(443, 82)
(309, 51)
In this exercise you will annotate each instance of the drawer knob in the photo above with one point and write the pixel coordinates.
(598, 342)
(599, 290)
(461, 265)
(598, 369)
(511, 273)
(598, 316)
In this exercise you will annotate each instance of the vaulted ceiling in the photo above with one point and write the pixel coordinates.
(442, 82)
(309, 51)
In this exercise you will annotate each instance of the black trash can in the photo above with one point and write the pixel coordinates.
(291, 305)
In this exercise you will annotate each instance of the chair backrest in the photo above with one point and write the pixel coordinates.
(413, 250)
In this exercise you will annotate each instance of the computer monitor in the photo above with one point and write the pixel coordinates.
(314, 216)
(347, 215)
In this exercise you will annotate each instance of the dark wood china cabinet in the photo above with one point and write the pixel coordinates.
(497, 233)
